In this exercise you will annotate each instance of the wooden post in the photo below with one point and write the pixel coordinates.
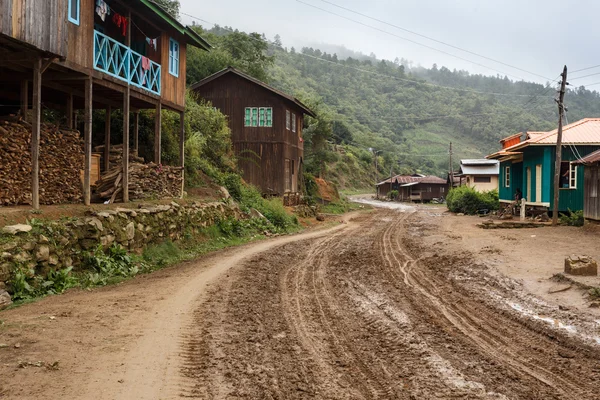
(558, 148)
(70, 111)
(157, 133)
(87, 135)
(136, 131)
(126, 145)
(523, 208)
(182, 149)
(35, 133)
(107, 138)
(24, 98)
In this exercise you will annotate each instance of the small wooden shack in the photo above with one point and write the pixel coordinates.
(591, 185)
(414, 188)
(73, 55)
(266, 129)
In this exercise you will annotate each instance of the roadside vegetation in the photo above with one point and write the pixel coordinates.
(468, 201)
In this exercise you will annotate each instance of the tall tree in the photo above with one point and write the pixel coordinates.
(171, 6)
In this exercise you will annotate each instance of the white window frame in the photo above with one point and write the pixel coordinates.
(174, 55)
(572, 176)
(293, 122)
(76, 3)
(507, 176)
(287, 120)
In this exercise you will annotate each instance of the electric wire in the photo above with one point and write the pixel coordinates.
(433, 39)
(409, 40)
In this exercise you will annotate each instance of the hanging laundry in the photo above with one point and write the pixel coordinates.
(152, 43)
(145, 68)
(102, 9)
(121, 22)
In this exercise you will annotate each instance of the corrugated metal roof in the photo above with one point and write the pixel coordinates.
(479, 161)
(590, 158)
(403, 179)
(481, 169)
(585, 131)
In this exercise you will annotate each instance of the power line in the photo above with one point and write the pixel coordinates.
(585, 76)
(365, 70)
(585, 69)
(432, 39)
(408, 40)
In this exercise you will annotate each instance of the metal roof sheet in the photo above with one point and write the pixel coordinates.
(493, 169)
(479, 161)
(585, 131)
(590, 158)
(404, 179)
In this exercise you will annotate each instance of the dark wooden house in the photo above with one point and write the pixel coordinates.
(414, 188)
(591, 185)
(91, 54)
(266, 128)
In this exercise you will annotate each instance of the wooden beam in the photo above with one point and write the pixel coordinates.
(157, 133)
(125, 180)
(35, 133)
(70, 111)
(87, 134)
(47, 63)
(182, 149)
(24, 98)
(136, 131)
(78, 93)
(107, 139)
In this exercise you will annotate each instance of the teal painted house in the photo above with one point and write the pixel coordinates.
(527, 165)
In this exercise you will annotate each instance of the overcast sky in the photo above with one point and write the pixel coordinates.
(539, 36)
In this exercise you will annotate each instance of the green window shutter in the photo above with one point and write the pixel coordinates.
(269, 117)
(261, 115)
(254, 116)
(247, 118)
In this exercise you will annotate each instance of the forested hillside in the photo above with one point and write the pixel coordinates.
(384, 108)
(407, 115)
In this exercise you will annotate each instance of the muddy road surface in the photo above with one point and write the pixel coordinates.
(364, 311)
(359, 315)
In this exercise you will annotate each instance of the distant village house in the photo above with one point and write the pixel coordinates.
(413, 188)
(479, 174)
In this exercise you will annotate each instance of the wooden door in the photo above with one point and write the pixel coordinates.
(538, 183)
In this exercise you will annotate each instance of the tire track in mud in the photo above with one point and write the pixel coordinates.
(496, 336)
(356, 315)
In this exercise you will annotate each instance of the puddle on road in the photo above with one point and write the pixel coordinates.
(383, 204)
(554, 322)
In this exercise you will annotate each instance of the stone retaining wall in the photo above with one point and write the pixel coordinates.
(60, 244)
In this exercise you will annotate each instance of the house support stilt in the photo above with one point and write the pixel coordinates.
(107, 138)
(182, 149)
(157, 133)
(70, 111)
(87, 138)
(136, 131)
(35, 133)
(125, 179)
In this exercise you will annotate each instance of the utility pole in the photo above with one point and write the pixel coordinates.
(561, 108)
(451, 169)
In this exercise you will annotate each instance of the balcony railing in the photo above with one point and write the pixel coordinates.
(119, 61)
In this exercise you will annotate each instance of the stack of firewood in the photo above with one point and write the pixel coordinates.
(61, 160)
(116, 155)
(146, 181)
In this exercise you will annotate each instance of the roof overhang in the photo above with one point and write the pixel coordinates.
(410, 184)
(192, 37)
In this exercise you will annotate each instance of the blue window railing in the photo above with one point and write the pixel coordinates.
(119, 61)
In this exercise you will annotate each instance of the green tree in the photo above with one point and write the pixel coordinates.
(171, 6)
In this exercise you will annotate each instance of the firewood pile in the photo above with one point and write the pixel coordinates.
(61, 160)
(116, 155)
(146, 181)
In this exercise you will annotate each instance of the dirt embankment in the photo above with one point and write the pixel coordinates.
(368, 311)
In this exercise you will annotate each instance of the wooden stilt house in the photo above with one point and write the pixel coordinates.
(93, 54)
(266, 127)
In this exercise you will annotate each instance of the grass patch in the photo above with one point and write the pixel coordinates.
(340, 207)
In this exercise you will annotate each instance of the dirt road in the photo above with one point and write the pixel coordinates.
(363, 311)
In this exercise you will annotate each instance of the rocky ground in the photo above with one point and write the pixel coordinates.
(392, 304)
